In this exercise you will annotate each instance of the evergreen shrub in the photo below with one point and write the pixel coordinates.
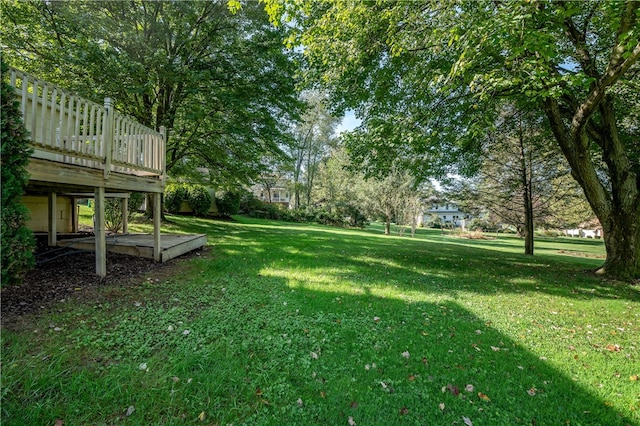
(17, 241)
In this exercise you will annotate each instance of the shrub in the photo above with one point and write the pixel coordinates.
(478, 224)
(229, 203)
(135, 202)
(113, 210)
(199, 199)
(174, 195)
(250, 203)
(113, 214)
(17, 242)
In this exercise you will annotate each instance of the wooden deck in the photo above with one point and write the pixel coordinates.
(81, 146)
(141, 245)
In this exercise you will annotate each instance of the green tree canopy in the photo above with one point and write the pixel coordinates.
(424, 77)
(221, 83)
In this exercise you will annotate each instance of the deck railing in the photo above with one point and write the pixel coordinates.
(69, 129)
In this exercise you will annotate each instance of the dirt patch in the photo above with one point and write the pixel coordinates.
(64, 274)
(582, 254)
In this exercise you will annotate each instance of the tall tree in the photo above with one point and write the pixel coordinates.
(310, 144)
(221, 83)
(520, 176)
(422, 76)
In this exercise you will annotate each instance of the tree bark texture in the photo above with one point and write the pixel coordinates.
(616, 203)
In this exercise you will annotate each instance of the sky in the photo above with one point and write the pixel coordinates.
(349, 122)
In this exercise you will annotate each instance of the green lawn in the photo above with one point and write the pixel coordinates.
(279, 324)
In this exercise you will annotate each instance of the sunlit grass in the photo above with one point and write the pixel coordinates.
(303, 324)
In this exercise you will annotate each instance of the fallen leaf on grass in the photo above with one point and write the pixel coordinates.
(404, 411)
(613, 348)
(634, 378)
(483, 397)
(201, 417)
(411, 378)
(467, 421)
(451, 388)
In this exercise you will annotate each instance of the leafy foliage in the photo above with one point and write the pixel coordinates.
(196, 195)
(425, 79)
(174, 195)
(229, 203)
(199, 199)
(17, 240)
(221, 83)
(113, 210)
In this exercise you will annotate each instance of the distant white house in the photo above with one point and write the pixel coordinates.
(276, 194)
(447, 213)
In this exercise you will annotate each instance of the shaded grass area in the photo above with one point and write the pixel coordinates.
(302, 324)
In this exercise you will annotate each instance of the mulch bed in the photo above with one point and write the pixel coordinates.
(63, 274)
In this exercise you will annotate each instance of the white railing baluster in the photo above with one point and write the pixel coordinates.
(76, 131)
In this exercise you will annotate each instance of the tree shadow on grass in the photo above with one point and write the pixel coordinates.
(427, 364)
(267, 346)
(422, 264)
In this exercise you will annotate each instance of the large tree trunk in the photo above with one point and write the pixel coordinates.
(617, 203)
(622, 241)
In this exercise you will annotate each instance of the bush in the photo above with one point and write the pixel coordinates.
(249, 203)
(196, 195)
(113, 214)
(135, 202)
(199, 199)
(229, 203)
(17, 242)
(174, 195)
(113, 210)
(477, 224)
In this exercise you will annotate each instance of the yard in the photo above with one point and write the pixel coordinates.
(279, 323)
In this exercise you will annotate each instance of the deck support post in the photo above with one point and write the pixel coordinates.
(125, 215)
(99, 231)
(74, 215)
(53, 219)
(157, 216)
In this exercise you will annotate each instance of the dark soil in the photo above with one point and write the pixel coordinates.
(63, 274)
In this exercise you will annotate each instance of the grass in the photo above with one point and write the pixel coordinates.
(302, 324)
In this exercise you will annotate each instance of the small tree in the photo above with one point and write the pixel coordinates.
(17, 239)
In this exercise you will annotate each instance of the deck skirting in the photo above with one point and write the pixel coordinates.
(141, 245)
